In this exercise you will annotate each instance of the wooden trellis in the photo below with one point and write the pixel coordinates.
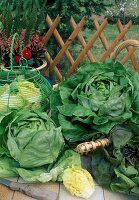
(99, 33)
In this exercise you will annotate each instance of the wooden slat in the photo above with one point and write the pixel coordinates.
(130, 49)
(87, 47)
(51, 30)
(82, 40)
(48, 57)
(115, 42)
(68, 42)
(54, 187)
(5, 193)
(101, 36)
(59, 40)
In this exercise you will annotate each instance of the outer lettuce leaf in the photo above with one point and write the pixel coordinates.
(10, 168)
(98, 97)
(69, 158)
(4, 121)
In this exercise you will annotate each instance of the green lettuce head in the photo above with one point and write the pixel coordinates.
(97, 97)
(32, 147)
(33, 139)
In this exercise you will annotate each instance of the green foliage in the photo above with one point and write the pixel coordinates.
(116, 167)
(17, 15)
(75, 8)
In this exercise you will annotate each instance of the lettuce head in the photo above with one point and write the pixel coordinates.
(99, 96)
(33, 139)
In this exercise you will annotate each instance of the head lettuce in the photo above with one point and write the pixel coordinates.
(32, 147)
(32, 139)
(97, 97)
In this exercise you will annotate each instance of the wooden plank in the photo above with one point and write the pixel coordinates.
(68, 42)
(65, 195)
(51, 30)
(21, 196)
(5, 193)
(102, 36)
(115, 42)
(54, 187)
(82, 40)
(59, 40)
(130, 49)
(87, 47)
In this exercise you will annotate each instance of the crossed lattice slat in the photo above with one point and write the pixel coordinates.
(87, 47)
(115, 42)
(86, 51)
(129, 49)
(82, 40)
(65, 45)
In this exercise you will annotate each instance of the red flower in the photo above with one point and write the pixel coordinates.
(16, 59)
(26, 53)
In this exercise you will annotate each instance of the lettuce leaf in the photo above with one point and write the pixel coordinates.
(117, 166)
(10, 168)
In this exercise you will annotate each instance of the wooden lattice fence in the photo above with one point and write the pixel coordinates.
(86, 46)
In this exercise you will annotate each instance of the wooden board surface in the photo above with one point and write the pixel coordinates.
(63, 194)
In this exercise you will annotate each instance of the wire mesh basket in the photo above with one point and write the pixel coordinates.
(22, 87)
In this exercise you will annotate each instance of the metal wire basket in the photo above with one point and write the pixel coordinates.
(22, 87)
